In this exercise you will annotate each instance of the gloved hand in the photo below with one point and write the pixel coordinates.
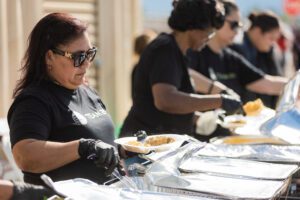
(27, 191)
(231, 104)
(104, 155)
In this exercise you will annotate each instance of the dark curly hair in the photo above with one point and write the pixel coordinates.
(196, 14)
(51, 31)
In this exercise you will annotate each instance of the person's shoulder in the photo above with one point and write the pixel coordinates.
(230, 52)
(35, 92)
(32, 95)
(163, 41)
(39, 91)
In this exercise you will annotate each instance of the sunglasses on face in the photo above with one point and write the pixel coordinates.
(78, 57)
(234, 25)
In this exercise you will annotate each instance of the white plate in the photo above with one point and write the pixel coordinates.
(142, 149)
(254, 122)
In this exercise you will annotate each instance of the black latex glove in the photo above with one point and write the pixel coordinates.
(231, 104)
(104, 155)
(27, 191)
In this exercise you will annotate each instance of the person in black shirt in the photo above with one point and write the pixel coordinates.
(218, 62)
(140, 44)
(257, 47)
(58, 125)
(164, 100)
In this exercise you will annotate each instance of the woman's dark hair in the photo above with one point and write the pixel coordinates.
(51, 31)
(266, 21)
(229, 7)
(196, 14)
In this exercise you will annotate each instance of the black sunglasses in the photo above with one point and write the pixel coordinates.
(234, 25)
(78, 57)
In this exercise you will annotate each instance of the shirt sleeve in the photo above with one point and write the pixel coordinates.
(248, 73)
(165, 68)
(29, 119)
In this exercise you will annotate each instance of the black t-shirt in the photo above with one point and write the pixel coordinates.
(50, 112)
(262, 60)
(227, 67)
(161, 62)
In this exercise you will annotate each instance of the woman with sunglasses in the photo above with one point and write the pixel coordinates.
(58, 125)
(164, 99)
(220, 63)
(257, 47)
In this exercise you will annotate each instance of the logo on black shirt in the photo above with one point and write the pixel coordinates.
(82, 119)
(96, 114)
(78, 118)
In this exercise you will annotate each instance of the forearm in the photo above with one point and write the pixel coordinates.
(6, 190)
(201, 82)
(41, 156)
(271, 85)
(277, 84)
(204, 84)
(183, 103)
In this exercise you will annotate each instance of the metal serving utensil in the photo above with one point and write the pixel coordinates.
(141, 136)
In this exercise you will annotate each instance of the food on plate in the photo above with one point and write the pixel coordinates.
(233, 121)
(153, 141)
(136, 143)
(253, 108)
(159, 140)
(238, 122)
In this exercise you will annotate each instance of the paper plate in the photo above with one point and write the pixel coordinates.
(125, 142)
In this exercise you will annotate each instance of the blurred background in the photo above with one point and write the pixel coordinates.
(114, 24)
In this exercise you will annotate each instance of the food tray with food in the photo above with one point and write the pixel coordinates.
(155, 143)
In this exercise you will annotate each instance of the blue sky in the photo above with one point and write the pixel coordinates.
(162, 8)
